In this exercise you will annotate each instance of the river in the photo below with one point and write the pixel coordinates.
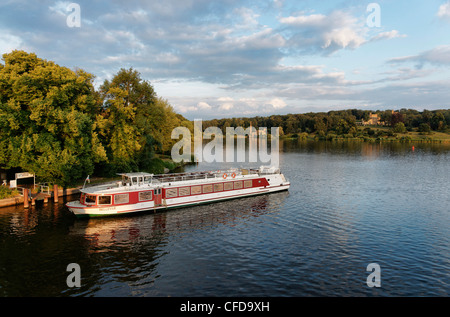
(349, 205)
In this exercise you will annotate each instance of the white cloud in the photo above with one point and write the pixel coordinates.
(342, 38)
(305, 20)
(60, 7)
(277, 103)
(439, 55)
(225, 99)
(387, 35)
(9, 42)
(444, 11)
(227, 103)
(324, 33)
(226, 106)
(203, 105)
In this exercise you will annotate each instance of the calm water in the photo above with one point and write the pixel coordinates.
(349, 205)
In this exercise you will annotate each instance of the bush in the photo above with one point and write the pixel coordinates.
(405, 139)
(6, 192)
(399, 128)
(424, 127)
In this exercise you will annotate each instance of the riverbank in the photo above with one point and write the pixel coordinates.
(19, 199)
(159, 165)
(374, 134)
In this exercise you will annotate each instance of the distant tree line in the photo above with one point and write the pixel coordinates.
(342, 122)
(54, 123)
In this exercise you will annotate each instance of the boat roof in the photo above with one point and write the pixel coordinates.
(134, 174)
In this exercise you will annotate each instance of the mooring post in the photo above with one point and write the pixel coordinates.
(25, 198)
(55, 193)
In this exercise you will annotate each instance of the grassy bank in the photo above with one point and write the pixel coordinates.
(375, 134)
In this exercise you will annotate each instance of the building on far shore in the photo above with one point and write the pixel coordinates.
(374, 119)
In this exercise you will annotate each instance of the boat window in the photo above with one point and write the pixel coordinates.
(218, 187)
(147, 179)
(248, 184)
(134, 180)
(171, 192)
(104, 200)
(121, 199)
(207, 189)
(238, 185)
(228, 186)
(184, 191)
(196, 190)
(145, 195)
(91, 200)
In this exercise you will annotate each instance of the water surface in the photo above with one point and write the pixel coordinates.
(350, 204)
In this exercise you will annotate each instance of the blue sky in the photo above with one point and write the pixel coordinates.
(216, 59)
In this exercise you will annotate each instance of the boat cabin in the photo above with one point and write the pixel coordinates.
(136, 179)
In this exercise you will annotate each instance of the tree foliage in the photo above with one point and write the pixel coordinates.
(55, 124)
(340, 122)
(47, 119)
(135, 122)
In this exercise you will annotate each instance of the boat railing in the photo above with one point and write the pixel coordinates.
(180, 177)
(224, 174)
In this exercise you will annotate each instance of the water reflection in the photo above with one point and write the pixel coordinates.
(370, 149)
(137, 244)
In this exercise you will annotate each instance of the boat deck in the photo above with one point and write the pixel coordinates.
(133, 181)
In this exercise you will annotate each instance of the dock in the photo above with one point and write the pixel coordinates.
(41, 196)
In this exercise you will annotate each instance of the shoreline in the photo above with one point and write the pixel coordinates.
(412, 137)
(19, 199)
(62, 192)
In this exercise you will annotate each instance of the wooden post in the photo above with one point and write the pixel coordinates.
(25, 198)
(55, 193)
(33, 201)
(45, 199)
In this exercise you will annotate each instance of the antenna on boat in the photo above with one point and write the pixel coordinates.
(88, 180)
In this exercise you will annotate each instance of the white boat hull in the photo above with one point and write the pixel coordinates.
(80, 210)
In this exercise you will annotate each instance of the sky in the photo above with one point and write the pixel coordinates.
(221, 59)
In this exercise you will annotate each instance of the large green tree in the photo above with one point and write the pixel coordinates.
(47, 119)
(136, 123)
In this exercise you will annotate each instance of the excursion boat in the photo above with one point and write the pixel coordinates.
(147, 192)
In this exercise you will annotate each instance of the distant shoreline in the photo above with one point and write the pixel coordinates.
(380, 134)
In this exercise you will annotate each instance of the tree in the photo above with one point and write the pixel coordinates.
(397, 117)
(438, 121)
(399, 127)
(126, 99)
(47, 119)
(136, 123)
(424, 128)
